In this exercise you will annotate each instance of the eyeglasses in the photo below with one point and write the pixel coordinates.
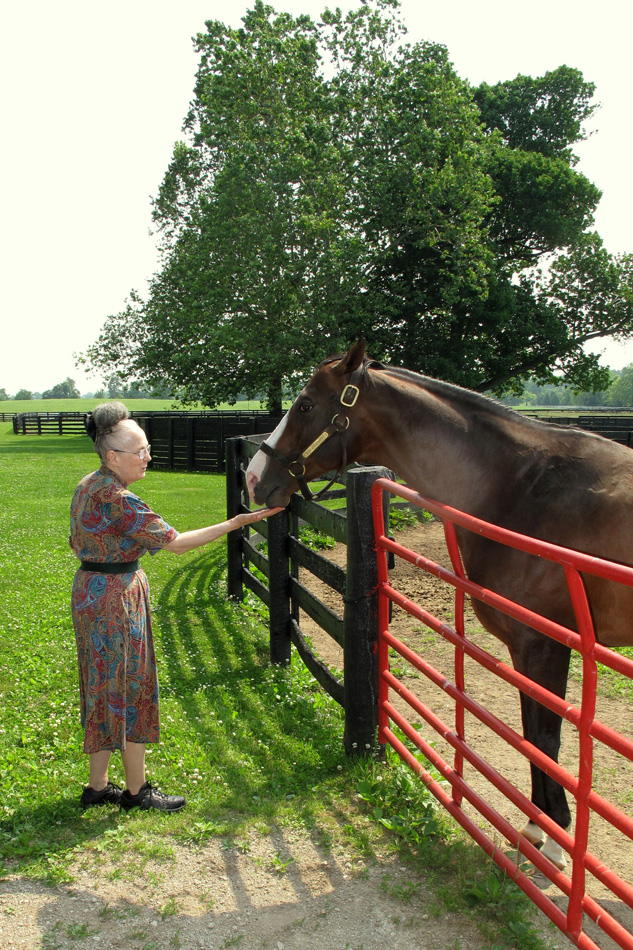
(147, 451)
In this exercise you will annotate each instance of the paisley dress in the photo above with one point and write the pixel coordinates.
(111, 616)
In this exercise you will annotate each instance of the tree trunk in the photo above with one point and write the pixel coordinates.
(273, 402)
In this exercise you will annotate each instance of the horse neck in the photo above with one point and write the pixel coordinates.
(446, 442)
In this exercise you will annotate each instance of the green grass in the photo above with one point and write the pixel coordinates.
(83, 405)
(610, 683)
(247, 743)
(238, 735)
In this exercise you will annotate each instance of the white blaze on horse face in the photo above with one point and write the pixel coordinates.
(258, 462)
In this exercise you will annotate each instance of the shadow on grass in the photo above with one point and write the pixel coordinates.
(265, 741)
(269, 732)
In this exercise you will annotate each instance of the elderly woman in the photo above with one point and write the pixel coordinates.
(110, 528)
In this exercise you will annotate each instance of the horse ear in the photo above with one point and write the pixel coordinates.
(352, 359)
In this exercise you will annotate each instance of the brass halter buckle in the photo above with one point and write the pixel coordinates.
(349, 396)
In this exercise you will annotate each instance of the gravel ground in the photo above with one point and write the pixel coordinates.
(242, 896)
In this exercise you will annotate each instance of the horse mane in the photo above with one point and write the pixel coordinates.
(439, 387)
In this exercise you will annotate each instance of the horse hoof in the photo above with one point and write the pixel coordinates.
(532, 833)
(554, 853)
(549, 848)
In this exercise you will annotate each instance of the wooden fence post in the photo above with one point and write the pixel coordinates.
(277, 531)
(279, 586)
(233, 507)
(221, 441)
(360, 650)
(147, 425)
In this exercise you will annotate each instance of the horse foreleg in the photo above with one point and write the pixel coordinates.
(547, 663)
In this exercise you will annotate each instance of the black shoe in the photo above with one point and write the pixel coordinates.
(151, 797)
(110, 795)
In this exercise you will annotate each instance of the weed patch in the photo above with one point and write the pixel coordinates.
(453, 868)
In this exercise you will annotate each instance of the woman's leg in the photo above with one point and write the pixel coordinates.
(99, 762)
(134, 765)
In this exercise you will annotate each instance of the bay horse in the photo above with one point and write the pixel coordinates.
(551, 482)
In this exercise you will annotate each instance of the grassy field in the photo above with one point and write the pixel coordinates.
(249, 745)
(84, 405)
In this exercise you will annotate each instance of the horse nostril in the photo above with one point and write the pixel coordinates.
(251, 482)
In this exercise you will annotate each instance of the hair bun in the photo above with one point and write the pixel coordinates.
(108, 415)
(90, 426)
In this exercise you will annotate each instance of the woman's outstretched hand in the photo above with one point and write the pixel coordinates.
(196, 539)
(250, 517)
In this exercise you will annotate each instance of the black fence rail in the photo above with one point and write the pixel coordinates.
(184, 440)
(274, 577)
(191, 441)
(615, 426)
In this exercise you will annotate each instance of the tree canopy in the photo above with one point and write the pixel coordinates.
(65, 390)
(336, 181)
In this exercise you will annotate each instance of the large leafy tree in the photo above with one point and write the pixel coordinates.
(337, 182)
(553, 287)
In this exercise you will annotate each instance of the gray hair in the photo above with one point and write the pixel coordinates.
(101, 423)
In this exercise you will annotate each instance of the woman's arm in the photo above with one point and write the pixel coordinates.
(189, 540)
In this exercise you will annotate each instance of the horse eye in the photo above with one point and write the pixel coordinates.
(305, 406)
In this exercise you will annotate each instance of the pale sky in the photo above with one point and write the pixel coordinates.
(93, 98)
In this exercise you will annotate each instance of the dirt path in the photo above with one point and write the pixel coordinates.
(219, 897)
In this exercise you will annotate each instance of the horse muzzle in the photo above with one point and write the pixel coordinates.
(263, 488)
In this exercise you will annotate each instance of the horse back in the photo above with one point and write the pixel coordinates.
(573, 489)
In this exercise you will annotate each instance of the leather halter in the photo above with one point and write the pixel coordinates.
(338, 426)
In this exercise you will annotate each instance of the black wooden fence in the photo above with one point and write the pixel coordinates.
(195, 440)
(192, 441)
(181, 440)
(48, 423)
(615, 426)
(284, 594)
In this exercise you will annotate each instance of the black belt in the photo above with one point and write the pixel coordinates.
(110, 567)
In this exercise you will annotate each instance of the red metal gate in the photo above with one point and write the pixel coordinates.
(583, 717)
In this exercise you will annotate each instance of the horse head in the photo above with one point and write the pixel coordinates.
(316, 435)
